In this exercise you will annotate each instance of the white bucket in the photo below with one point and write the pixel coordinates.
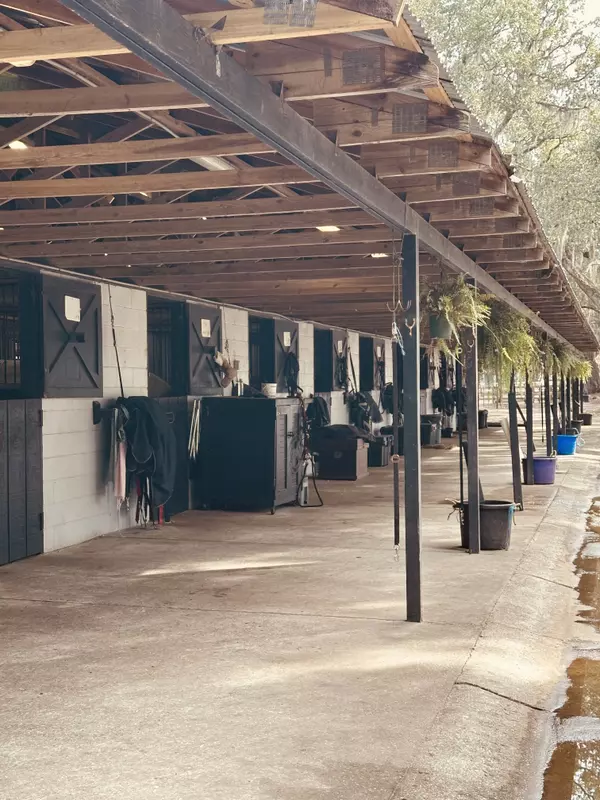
(269, 389)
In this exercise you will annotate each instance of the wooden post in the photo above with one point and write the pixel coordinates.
(396, 427)
(514, 444)
(576, 400)
(473, 439)
(581, 390)
(569, 407)
(412, 427)
(529, 430)
(549, 426)
(563, 406)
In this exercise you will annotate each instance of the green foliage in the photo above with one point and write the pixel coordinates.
(506, 345)
(530, 71)
(460, 304)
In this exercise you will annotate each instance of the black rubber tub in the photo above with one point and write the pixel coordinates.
(496, 521)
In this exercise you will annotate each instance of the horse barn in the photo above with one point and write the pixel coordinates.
(225, 226)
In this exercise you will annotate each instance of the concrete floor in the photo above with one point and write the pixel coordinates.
(258, 657)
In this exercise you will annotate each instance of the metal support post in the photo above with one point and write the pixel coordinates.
(460, 422)
(396, 428)
(529, 430)
(412, 427)
(555, 415)
(581, 390)
(569, 407)
(575, 399)
(514, 444)
(563, 406)
(470, 351)
(548, 420)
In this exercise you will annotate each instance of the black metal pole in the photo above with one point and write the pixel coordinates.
(549, 426)
(473, 484)
(581, 390)
(514, 444)
(543, 413)
(529, 430)
(396, 428)
(563, 406)
(412, 427)
(555, 414)
(460, 421)
(569, 408)
(575, 398)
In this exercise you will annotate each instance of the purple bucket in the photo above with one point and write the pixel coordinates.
(544, 469)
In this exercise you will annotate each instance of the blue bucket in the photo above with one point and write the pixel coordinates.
(566, 444)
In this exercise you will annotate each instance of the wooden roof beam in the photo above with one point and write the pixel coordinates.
(156, 32)
(243, 25)
(466, 157)
(397, 74)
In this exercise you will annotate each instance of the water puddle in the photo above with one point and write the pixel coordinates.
(574, 769)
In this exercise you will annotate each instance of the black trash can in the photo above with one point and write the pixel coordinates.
(483, 418)
(496, 524)
(380, 451)
(427, 433)
(436, 433)
(576, 424)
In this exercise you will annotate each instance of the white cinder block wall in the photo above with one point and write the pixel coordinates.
(306, 357)
(78, 504)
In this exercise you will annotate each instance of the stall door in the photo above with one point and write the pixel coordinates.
(204, 325)
(72, 338)
(21, 509)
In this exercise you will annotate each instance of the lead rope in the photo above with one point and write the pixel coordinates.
(114, 337)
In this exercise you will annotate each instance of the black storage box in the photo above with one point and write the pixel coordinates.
(250, 453)
(342, 460)
(380, 451)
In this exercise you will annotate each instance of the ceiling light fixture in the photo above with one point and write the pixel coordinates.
(379, 255)
(17, 144)
(328, 228)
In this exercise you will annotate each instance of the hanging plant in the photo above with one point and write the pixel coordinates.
(581, 369)
(506, 345)
(452, 306)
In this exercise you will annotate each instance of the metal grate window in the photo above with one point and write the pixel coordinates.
(409, 118)
(362, 66)
(297, 13)
(442, 154)
(466, 183)
(10, 335)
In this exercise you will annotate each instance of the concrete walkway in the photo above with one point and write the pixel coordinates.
(251, 657)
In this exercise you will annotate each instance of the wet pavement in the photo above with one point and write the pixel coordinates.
(573, 772)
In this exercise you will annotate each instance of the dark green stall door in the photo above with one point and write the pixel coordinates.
(21, 517)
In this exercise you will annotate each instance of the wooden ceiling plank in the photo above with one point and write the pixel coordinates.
(149, 211)
(162, 96)
(241, 254)
(194, 244)
(469, 157)
(136, 182)
(193, 225)
(243, 25)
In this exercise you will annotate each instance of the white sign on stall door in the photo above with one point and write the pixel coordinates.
(205, 328)
(287, 339)
(72, 309)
